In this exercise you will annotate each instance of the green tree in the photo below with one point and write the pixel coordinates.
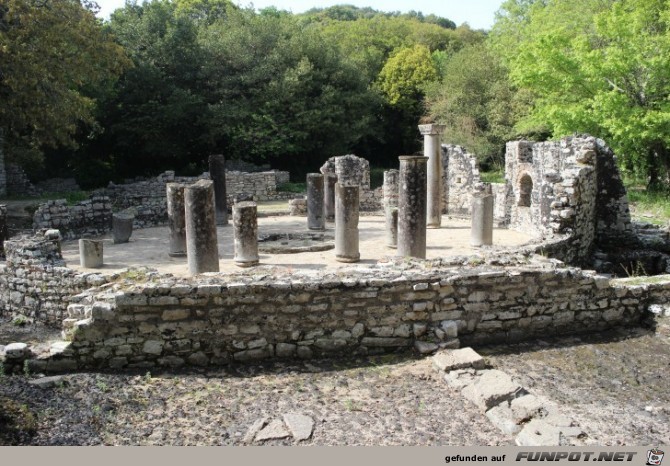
(405, 74)
(605, 71)
(51, 53)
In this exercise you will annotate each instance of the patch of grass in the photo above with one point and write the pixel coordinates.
(17, 422)
(298, 188)
(648, 206)
(642, 280)
(19, 321)
(496, 176)
(71, 197)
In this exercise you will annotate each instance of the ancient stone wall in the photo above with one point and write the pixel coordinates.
(87, 218)
(353, 170)
(203, 321)
(3, 229)
(460, 175)
(58, 185)
(18, 183)
(34, 281)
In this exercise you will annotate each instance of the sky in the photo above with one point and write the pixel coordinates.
(477, 13)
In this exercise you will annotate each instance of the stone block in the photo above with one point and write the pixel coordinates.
(460, 378)
(299, 425)
(490, 388)
(425, 347)
(447, 361)
(501, 416)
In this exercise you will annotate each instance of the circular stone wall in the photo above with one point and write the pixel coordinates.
(292, 243)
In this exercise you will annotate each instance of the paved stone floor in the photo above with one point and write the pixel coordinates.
(149, 247)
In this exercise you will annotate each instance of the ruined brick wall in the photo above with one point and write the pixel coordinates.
(34, 281)
(355, 171)
(87, 218)
(206, 320)
(460, 175)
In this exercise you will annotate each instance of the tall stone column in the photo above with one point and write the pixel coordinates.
(315, 218)
(482, 217)
(201, 242)
(245, 232)
(346, 223)
(176, 219)
(412, 207)
(431, 149)
(217, 172)
(390, 205)
(329, 196)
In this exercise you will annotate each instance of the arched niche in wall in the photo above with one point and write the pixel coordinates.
(525, 190)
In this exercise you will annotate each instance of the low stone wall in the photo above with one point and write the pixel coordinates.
(215, 320)
(58, 185)
(87, 218)
(34, 281)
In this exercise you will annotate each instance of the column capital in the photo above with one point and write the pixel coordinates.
(432, 129)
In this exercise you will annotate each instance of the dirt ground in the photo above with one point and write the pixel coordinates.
(149, 247)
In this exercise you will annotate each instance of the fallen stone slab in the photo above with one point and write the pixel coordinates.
(490, 388)
(254, 429)
(460, 378)
(527, 407)
(447, 361)
(425, 347)
(538, 433)
(502, 417)
(301, 426)
(48, 382)
(273, 431)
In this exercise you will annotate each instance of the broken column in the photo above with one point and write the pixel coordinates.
(90, 253)
(482, 217)
(432, 150)
(245, 225)
(329, 196)
(315, 217)
(391, 207)
(201, 242)
(122, 227)
(217, 172)
(412, 206)
(346, 223)
(176, 219)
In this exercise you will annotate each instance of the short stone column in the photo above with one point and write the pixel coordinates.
(122, 227)
(217, 172)
(346, 223)
(390, 204)
(412, 207)
(329, 196)
(482, 217)
(176, 219)
(245, 231)
(90, 253)
(432, 150)
(315, 218)
(201, 242)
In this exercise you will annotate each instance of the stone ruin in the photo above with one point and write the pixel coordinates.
(569, 193)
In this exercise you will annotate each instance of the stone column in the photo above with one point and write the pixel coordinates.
(90, 253)
(122, 227)
(482, 217)
(217, 172)
(176, 219)
(431, 149)
(412, 207)
(315, 217)
(201, 242)
(346, 223)
(245, 230)
(329, 196)
(391, 207)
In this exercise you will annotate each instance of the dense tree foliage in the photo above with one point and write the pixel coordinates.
(52, 53)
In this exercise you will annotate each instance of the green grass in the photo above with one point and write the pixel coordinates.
(648, 206)
(496, 176)
(292, 188)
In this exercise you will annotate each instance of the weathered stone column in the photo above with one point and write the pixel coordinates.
(217, 172)
(482, 217)
(329, 196)
(90, 253)
(201, 242)
(390, 190)
(412, 207)
(315, 217)
(431, 149)
(245, 230)
(122, 227)
(176, 219)
(346, 223)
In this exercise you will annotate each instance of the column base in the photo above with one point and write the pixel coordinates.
(177, 254)
(246, 263)
(348, 259)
